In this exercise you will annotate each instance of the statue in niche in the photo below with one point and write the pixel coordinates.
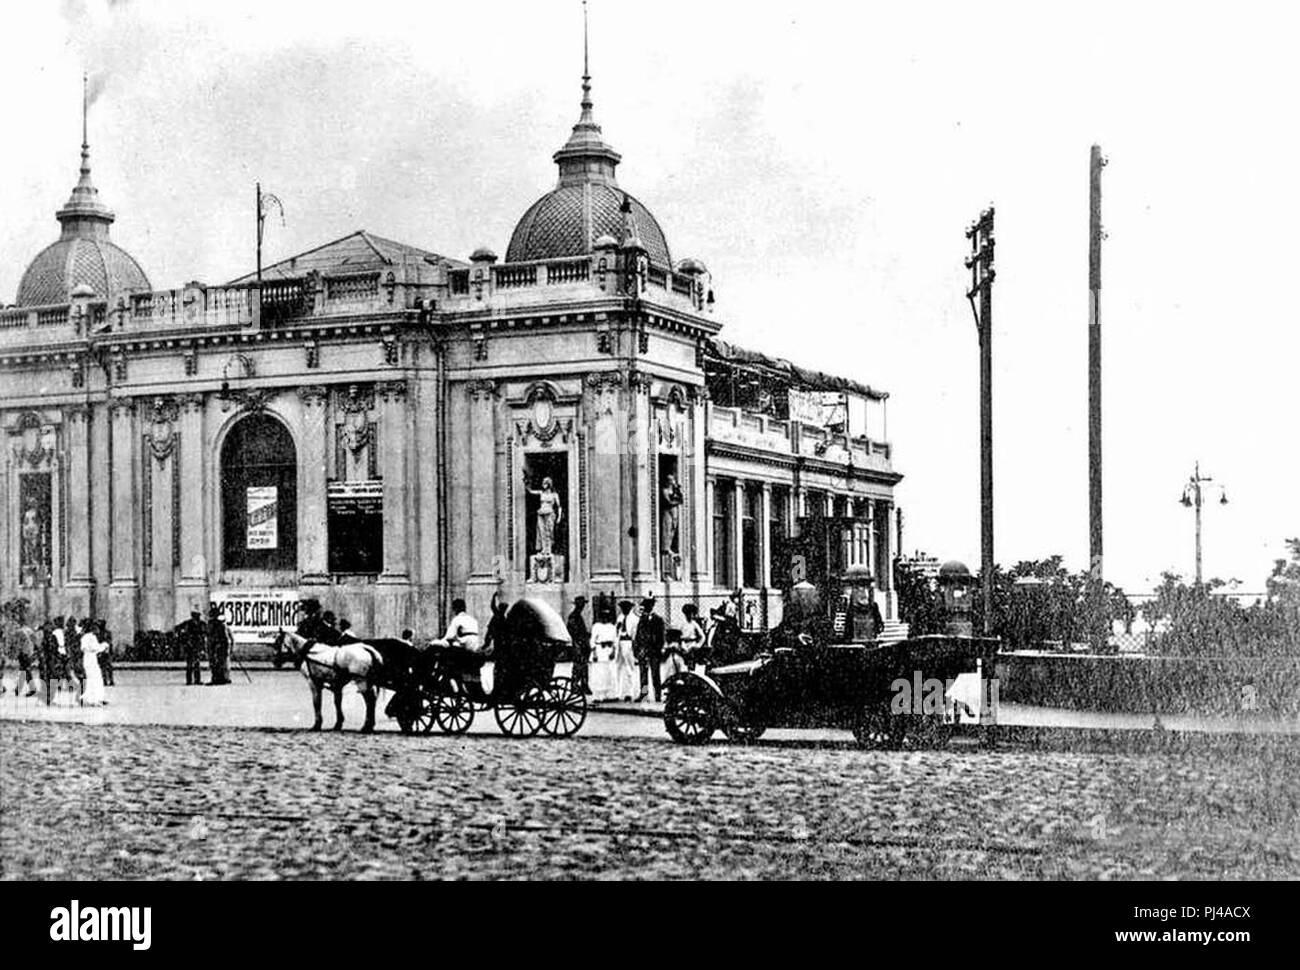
(670, 504)
(34, 548)
(550, 511)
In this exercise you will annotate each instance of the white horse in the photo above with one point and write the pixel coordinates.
(332, 667)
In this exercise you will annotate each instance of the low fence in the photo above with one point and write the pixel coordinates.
(1144, 685)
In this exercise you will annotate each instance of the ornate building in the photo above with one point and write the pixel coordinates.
(384, 428)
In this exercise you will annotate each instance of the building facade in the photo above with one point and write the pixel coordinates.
(384, 428)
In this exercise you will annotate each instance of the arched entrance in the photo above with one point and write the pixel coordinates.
(259, 496)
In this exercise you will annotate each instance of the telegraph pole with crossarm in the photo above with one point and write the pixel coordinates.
(980, 264)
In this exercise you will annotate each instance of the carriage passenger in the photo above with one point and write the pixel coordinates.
(461, 641)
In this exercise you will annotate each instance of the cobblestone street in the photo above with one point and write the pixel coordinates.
(112, 801)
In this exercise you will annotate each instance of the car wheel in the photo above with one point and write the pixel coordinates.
(690, 714)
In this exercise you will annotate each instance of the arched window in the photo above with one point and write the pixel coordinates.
(259, 496)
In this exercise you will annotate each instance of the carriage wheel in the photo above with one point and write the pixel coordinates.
(453, 711)
(522, 717)
(566, 708)
(690, 714)
(877, 727)
(423, 716)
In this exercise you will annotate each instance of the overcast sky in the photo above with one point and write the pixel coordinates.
(823, 159)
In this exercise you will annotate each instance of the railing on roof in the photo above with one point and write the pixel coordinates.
(16, 323)
(742, 427)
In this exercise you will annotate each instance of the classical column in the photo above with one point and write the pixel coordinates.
(605, 478)
(738, 534)
(644, 502)
(81, 583)
(123, 592)
(392, 444)
(192, 586)
(392, 606)
(101, 506)
(765, 536)
(700, 497)
(482, 468)
(313, 532)
(871, 540)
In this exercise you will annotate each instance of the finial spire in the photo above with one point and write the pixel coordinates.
(586, 63)
(83, 214)
(586, 156)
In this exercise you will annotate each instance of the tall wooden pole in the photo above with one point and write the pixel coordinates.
(980, 264)
(1096, 574)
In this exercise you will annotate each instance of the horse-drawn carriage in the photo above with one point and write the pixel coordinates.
(526, 697)
(439, 687)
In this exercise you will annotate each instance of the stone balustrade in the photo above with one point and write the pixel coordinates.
(740, 427)
(509, 284)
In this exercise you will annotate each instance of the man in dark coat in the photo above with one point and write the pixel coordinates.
(328, 633)
(581, 638)
(649, 646)
(191, 636)
(312, 624)
(219, 642)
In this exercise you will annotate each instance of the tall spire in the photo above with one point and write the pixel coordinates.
(83, 214)
(586, 157)
(586, 65)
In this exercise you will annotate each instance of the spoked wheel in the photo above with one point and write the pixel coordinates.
(521, 717)
(743, 732)
(690, 714)
(877, 727)
(453, 711)
(565, 709)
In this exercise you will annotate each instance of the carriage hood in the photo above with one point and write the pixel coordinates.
(532, 619)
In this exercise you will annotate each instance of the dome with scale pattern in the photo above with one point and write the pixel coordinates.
(83, 256)
(587, 204)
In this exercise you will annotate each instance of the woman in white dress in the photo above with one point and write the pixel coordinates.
(604, 644)
(627, 676)
(91, 648)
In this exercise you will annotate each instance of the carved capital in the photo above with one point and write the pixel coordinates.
(604, 380)
(313, 395)
(481, 389)
(392, 391)
(355, 398)
(191, 403)
(123, 408)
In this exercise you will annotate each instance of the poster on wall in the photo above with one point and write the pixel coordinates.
(34, 528)
(258, 615)
(356, 527)
(263, 512)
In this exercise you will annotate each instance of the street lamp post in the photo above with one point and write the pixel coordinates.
(1193, 497)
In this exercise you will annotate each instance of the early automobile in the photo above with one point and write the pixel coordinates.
(911, 693)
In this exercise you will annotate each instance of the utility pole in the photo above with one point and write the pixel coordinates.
(980, 263)
(1193, 496)
(1096, 575)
